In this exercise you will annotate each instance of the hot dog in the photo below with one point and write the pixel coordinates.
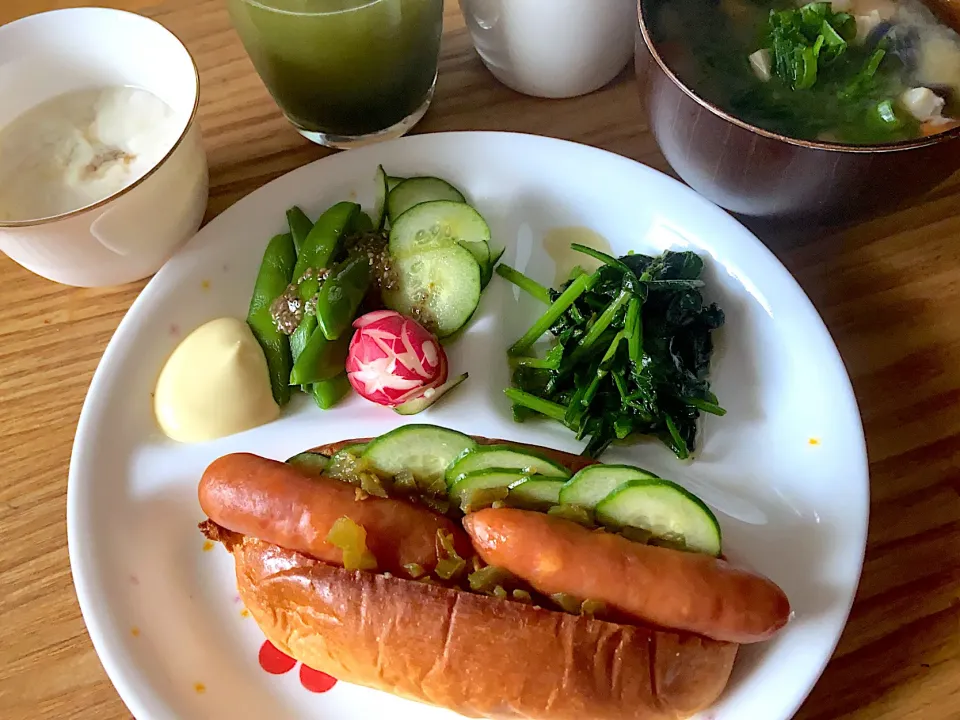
(667, 588)
(280, 504)
(664, 651)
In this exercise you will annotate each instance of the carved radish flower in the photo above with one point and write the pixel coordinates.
(393, 359)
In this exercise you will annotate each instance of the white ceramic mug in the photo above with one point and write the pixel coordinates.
(130, 234)
(553, 48)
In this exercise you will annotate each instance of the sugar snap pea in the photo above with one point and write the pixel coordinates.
(300, 226)
(341, 295)
(276, 272)
(320, 245)
(320, 360)
(301, 336)
(329, 392)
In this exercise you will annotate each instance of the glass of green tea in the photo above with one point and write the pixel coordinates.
(345, 72)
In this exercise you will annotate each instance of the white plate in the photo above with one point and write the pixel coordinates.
(786, 467)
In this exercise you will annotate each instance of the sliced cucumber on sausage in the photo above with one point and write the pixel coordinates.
(594, 483)
(311, 462)
(417, 190)
(535, 493)
(439, 223)
(664, 509)
(485, 480)
(503, 457)
(429, 397)
(423, 450)
(440, 288)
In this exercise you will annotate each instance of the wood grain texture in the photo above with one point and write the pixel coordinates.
(888, 289)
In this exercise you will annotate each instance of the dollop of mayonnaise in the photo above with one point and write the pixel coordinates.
(215, 383)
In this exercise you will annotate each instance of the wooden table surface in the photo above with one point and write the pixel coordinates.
(889, 290)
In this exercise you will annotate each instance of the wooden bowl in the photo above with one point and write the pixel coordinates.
(755, 172)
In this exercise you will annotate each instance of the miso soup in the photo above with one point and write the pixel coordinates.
(847, 71)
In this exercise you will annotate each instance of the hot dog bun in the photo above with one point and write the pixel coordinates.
(477, 655)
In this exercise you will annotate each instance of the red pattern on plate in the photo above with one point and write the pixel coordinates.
(276, 662)
(316, 681)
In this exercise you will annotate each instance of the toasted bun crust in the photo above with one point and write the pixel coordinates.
(477, 655)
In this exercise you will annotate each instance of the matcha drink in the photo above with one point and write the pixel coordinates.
(344, 71)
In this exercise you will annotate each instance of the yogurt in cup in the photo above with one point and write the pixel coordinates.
(98, 126)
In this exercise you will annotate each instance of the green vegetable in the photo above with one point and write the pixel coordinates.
(805, 38)
(317, 250)
(361, 223)
(487, 578)
(352, 540)
(537, 404)
(429, 397)
(666, 511)
(503, 457)
(632, 353)
(329, 392)
(531, 287)
(276, 272)
(341, 295)
(536, 493)
(594, 483)
(320, 360)
(886, 115)
(567, 298)
(484, 480)
(321, 244)
(311, 462)
(382, 190)
(300, 226)
(439, 287)
(301, 336)
(449, 563)
(417, 190)
(425, 451)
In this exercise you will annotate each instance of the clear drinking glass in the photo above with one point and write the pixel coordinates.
(345, 72)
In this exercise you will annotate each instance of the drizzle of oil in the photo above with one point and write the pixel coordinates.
(557, 243)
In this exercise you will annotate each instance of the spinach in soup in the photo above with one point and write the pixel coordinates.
(849, 71)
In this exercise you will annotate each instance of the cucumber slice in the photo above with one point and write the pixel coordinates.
(440, 223)
(420, 190)
(664, 509)
(429, 397)
(311, 462)
(536, 493)
(440, 288)
(382, 190)
(424, 450)
(485, 480)
(394, 180)
(594, 483)
(503, 457)
(486, 271)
